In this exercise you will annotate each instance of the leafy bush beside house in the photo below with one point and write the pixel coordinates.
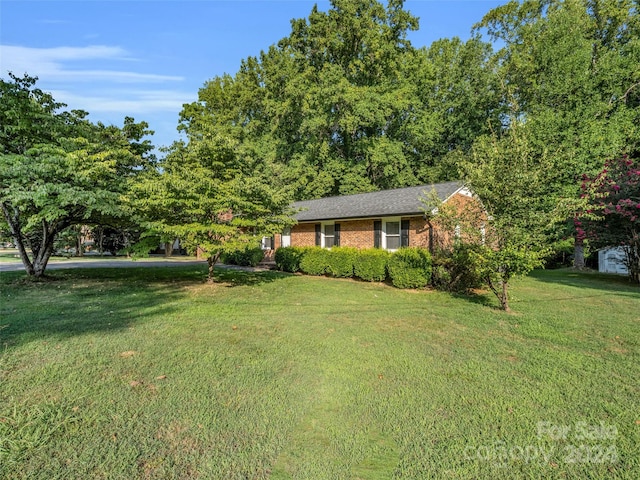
(371, 264)
(410, 268)
(315, 261)
(288, 258)
(457, 270)
(407, 267)
(341, 260)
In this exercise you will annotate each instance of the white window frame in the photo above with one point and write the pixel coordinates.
(263, 243)
(386, 220)
(285, 237)
(323, 242)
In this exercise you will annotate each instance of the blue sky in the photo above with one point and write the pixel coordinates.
(146, 58)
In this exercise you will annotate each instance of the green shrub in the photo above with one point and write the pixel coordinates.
(457, 270)
(288, 258)
(341, 261)
(315, 261)
(371, 264)
(410, 267)
(247, 257)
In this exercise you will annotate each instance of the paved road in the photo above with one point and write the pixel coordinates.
(105, 263)
(120, 263)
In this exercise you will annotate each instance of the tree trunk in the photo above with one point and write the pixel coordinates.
(578, 254)
(101, 241)
(504, 297)
(42, 254)
(211, 261)
(502, 294)
(168, 249)
(79, 246)
(41, 261)
(16, 233)
(632, 258)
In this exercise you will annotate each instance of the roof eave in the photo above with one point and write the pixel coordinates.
(362, 217)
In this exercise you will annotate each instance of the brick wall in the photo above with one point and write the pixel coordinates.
(359, 233)
(473, 217)
(303, 235)
(356, 233)
(419, 232)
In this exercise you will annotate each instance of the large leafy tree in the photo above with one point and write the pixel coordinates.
(350, 63)
(569, 68)
(345, 104)
(58, 170)
(458, 99)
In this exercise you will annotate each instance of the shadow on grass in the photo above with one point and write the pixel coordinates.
(235, 278)
(484, 299)
(608, 283)
(69, 303)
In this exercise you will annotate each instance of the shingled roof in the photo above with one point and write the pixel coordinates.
(385, 203)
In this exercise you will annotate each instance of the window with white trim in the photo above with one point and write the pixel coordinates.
(267, 243)
(329, 235)
(286, 237)
(392, 235)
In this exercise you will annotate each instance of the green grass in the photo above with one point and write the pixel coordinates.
(9, 255)
(151, 373)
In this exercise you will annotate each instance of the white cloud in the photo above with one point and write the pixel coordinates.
(52, 64)
(93, 78)
(131, 102)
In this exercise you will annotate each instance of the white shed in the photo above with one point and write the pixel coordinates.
(611, 260)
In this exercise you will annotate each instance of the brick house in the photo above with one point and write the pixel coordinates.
(387, 219)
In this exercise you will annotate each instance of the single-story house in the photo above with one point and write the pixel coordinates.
(387, 219)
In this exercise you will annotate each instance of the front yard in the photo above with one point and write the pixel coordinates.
(150, 373)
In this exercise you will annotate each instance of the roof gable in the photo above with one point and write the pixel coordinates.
(385, 203)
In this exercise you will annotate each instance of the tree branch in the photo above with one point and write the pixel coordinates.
(626, 94)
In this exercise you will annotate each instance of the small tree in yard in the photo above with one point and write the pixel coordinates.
(212, 196)
(613, 216)
(509, 178)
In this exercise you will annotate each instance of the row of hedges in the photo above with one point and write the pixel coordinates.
(454, 270)
(406, 268)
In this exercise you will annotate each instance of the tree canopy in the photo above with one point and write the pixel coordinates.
(346, 104)
(212, 196)
(58, 170)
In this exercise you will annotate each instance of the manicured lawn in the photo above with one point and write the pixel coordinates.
(150, 373)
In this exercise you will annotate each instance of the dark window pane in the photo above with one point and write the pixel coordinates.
(393, 243)
(328, 242)
(329, 230)
(393, 228)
